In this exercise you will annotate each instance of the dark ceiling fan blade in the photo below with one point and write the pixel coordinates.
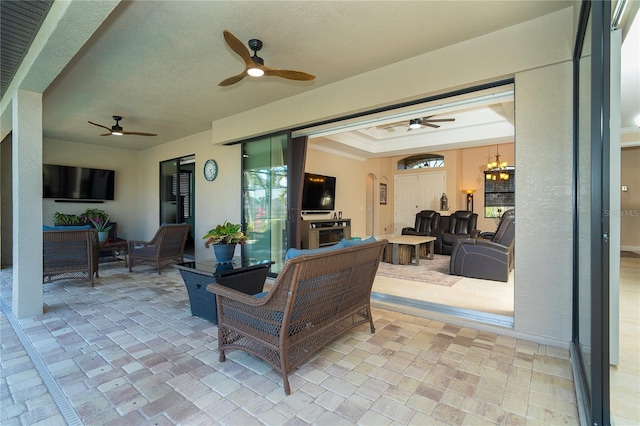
(288, 74)
(138, 133)
(233, 80)
(438, 120)
(118, 130)
(100, 125)
(431, 125)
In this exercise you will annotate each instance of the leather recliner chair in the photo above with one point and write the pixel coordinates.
(426, 222)
(511, 213)
(460, 225)
(484, 259)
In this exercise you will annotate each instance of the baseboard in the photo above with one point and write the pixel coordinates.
(630, 248)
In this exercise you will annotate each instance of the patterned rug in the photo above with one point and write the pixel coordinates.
(434, 271)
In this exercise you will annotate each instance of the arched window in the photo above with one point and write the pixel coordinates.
(421, 161)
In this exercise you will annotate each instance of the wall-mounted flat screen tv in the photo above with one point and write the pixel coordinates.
(318, 192)
(77, 183)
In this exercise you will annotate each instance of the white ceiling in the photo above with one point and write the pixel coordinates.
(481, 118)
(158, 63)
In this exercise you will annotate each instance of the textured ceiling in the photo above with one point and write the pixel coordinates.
(19, 23)
(158, 63)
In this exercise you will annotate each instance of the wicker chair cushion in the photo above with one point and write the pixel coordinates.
(65, 228)
(351, 243)
(294, 252)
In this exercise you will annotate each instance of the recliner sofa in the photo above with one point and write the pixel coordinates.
(426, 222)
(461, 224)
(486, 259)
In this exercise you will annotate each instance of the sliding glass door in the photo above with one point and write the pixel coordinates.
(265, 199)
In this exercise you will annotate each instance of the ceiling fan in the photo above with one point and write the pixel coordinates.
(417, 123)
(116, 130)
(254, 65)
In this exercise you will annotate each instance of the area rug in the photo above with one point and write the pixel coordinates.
(434, 271)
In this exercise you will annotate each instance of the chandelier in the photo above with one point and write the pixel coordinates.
(496, 170)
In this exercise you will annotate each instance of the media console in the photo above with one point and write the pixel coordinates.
(324, 232)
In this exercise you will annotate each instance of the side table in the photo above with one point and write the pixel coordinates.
(119, 246)
(247, 276)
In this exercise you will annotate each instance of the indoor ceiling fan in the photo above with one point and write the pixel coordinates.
(254, 65)
(417, 123)
(116, 130)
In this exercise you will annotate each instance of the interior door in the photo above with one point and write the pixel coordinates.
(168, 191)
(416, 192)
(177, 195)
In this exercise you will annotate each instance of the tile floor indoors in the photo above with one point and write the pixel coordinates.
(128, 352)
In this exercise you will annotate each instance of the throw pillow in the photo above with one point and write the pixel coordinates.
(293, 252)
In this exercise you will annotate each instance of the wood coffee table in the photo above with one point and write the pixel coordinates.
(403, 246)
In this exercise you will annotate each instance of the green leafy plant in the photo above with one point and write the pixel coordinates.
(91, 215)
(63, 219)
(100, 224)
(227, 233)
(98, 217)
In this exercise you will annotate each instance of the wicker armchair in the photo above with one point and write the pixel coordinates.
(315, 299)
(168, 244)
(69, 254)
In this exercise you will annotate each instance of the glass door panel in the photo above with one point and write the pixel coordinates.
(265, 199)
(584, 225)
(168, 191)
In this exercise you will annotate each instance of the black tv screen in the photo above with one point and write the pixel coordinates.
(318, 192)
(77, 183)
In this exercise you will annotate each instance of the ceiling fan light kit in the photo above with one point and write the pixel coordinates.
(255, 71)
(415, 123)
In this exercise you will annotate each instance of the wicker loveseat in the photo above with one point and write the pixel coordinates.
(69, 254)
(316, 298)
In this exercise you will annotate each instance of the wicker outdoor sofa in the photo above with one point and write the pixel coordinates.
(316, 298)
(69, 254)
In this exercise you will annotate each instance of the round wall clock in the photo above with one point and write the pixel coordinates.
(210, 170)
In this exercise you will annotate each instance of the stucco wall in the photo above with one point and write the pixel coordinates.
(544, 220)
(124, 208)
(216, 201)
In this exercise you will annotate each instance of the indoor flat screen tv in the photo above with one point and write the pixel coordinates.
(318, 192)
(77, 183)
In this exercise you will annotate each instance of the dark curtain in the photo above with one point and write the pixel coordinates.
(295, 179)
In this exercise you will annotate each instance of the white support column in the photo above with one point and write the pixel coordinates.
(27, 204)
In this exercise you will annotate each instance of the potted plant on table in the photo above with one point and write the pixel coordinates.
(224, 238)
(100, 220)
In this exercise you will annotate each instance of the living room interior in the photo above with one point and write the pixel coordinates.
(68, 138)
(482, 127)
